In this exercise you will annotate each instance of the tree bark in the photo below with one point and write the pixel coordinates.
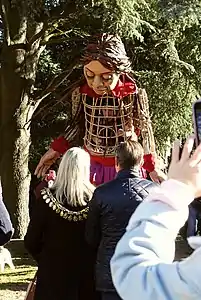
(16, 110)
(19, 59)
(26, 30)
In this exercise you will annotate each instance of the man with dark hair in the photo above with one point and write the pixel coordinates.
(110, 209)
(129, 155)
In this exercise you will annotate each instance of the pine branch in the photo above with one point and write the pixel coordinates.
(52, 86)
(62, 99)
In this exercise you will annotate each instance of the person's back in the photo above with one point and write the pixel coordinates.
(110, 209)
(56, 233)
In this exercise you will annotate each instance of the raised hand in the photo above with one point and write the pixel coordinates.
(187, 169)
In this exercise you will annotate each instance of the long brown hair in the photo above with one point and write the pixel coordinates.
(109, 50)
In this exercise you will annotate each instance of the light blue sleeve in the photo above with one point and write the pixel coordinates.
(142, 266)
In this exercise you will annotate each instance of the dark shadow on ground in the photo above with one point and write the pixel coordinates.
(20, 286)
(24, 261)
(18, 273)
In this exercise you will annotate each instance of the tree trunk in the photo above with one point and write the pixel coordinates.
(19, 59)
(24, 32)
(16, 111)
(14, 170)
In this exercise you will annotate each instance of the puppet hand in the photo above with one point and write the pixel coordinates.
(45, 162)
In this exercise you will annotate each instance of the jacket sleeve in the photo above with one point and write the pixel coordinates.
(93, 228)
(142, 265)
(149, 162)
(60, 145)
(33, 239)
(6, 228)
(143, 121)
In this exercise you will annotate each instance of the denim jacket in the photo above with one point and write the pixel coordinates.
(142, 266)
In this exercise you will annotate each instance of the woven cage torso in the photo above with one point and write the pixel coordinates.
(106, 121)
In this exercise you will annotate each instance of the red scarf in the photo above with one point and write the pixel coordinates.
(125, 86)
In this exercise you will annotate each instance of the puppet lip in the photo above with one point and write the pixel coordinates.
(99, 90)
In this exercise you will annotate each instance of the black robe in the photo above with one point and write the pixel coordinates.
(65, 261)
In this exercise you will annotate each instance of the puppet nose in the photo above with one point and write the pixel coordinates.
(97, 83)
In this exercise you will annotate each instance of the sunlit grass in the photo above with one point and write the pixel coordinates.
(13, 283)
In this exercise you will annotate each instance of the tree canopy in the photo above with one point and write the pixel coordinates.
(41, 43)
(162, 39)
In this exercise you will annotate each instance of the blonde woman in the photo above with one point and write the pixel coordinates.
(55, 236)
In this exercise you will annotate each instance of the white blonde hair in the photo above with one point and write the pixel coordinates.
(72, 182)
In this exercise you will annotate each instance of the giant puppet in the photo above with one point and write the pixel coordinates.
(106, 109)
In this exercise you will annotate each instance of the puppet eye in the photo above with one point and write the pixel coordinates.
(107, 76)
(89, 74)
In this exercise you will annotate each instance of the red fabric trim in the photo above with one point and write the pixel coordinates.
(137, 131)
(106, 161)
(60, 145)
(85, 89)
(149, 163)
(122, 89)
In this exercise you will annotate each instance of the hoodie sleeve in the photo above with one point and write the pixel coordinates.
(60, 145)
(6, 228)
(142, 266)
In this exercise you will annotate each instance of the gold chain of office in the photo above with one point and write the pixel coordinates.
(65, 213)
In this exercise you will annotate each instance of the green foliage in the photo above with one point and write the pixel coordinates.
(47, 65)
(124, 17)
(167, 64)
(163, 40)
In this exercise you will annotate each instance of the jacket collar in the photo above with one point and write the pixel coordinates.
(131, 173)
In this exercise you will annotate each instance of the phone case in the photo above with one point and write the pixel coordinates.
(197, 121)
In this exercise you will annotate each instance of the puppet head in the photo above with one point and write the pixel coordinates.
(104, 60)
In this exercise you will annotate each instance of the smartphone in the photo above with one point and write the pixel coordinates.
(197, 121)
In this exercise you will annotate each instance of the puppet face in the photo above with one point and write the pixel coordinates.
(99, 78)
